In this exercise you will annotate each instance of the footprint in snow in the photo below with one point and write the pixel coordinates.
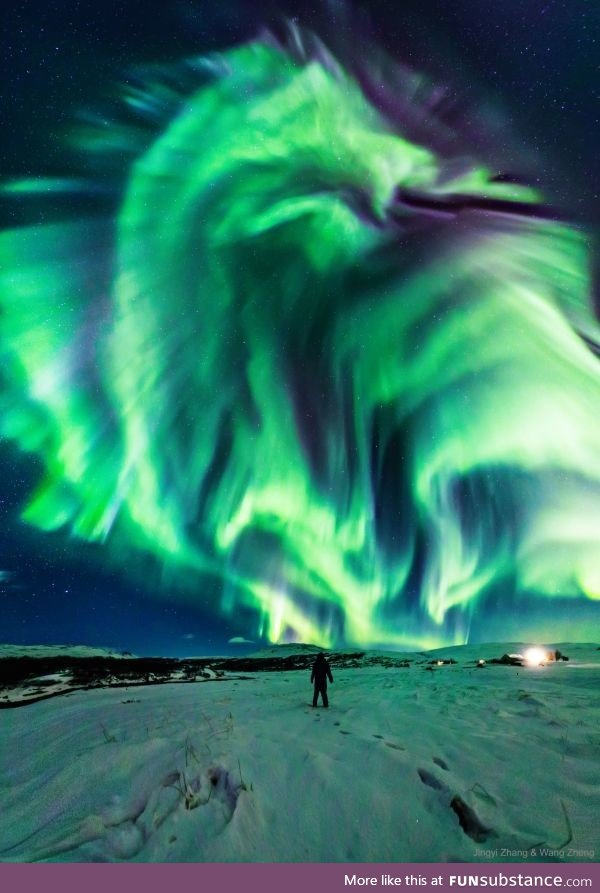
(121, 829)
(469, 821)
(430, 780)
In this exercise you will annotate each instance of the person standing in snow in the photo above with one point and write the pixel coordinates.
(321, 672)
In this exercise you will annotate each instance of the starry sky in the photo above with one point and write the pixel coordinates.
(534, 65)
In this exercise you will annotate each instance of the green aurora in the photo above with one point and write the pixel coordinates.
(310, 355)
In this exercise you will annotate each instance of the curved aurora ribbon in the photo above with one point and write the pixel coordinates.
(331, 364)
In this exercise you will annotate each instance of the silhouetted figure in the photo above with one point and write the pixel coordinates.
(321, 672)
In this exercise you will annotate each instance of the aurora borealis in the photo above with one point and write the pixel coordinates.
(322, 353)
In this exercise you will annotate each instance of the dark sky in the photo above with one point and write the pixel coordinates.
(537, 60)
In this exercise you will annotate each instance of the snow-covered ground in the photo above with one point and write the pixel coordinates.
(246, 770)
(57, 651)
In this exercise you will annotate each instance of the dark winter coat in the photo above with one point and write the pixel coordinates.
(321, 672)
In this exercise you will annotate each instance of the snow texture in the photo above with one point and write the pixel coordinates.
(57, 651)
(423, 763)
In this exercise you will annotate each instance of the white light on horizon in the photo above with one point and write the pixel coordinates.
(535, 656)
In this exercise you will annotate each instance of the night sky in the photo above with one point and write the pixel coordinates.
(531, 66)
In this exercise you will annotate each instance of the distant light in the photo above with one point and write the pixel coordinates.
(535, 656)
